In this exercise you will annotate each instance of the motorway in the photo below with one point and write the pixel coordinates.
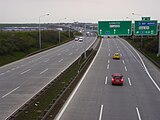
(21, 80)
(95, 98)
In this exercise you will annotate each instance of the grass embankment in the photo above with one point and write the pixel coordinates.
(17, 45)
(149, 47)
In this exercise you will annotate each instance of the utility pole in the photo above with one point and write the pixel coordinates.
(159, 44)
(40, 41)
(85, 42)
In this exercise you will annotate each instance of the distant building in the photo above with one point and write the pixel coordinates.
(23, 28)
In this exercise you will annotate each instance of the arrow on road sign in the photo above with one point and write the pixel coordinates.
(100, 31)
(128, 31)
(114, 31)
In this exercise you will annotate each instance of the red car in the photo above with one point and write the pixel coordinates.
(117, 79)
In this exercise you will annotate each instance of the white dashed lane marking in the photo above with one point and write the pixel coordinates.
(125, 68)
(44, 71)
(106, 80)
(101, 112)
(108, 66)
(2, 74)
(25, 71)
(138, 113)
(60, 60)
(123, 62)
(129, 80)
(10, 92)
(70, 53)
(46, 60)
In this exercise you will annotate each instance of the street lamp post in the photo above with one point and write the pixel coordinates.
(85, 54)
(137, 14)
(40, 41)
(69, 32)
(59, 33)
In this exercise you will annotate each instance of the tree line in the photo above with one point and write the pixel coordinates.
(24, 41)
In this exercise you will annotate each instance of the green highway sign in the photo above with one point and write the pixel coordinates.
(146, 18)
(111, 28)
(146, 27)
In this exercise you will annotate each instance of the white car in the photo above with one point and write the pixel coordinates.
(76, 39)
(80, 39)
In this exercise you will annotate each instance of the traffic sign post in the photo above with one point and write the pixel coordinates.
(112, 28)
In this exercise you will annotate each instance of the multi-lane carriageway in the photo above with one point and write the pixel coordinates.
(95, 98)
(21, 80)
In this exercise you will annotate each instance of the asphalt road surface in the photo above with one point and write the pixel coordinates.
(21, 80)
(96, 99)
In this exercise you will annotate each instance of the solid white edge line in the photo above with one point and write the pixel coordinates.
(146, 69)
(106, 80)
(25, 71)
(139, 117)
(44, 71)
(101, 112)
(10, 92)
(129, 81)
(75, 90)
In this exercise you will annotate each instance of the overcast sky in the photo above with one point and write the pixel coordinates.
(28, 11)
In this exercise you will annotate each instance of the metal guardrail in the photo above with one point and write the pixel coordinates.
(153, 61)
